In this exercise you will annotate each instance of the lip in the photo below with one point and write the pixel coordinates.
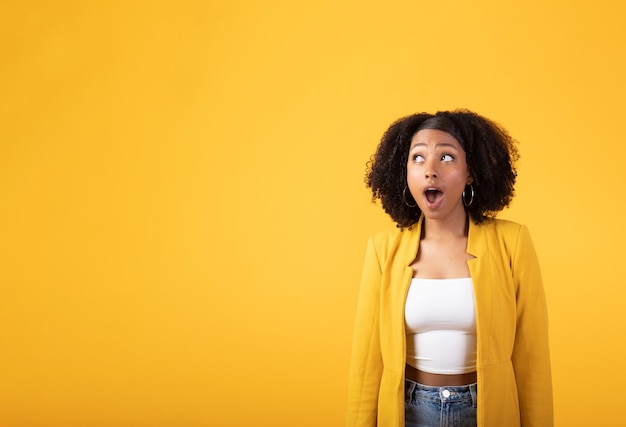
(437, 203)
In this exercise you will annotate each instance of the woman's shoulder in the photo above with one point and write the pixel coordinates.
(512, 235)
(393, 241)
(392, 234)
(503, 226)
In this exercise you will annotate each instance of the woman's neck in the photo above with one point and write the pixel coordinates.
(444, 229)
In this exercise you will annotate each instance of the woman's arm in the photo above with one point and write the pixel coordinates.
(366, 364)
(531, 354)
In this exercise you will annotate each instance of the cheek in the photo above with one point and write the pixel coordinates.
(412, 181)
(412, 176)
(461, 174)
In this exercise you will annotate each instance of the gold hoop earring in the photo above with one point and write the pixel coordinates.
(404, 197)
(464, 198)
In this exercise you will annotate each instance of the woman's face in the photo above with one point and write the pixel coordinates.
(437, 173)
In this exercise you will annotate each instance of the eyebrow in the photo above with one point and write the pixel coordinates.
(439, 144)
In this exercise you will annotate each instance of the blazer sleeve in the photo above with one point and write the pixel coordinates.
(366, 362)
(531, 354)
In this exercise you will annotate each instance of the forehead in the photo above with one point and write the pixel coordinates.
(434, 137)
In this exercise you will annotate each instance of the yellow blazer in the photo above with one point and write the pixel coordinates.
(513, 359)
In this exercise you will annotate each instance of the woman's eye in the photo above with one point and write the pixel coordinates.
(418, 158)
(447, 158)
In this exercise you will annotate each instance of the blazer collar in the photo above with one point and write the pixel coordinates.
(475, 241)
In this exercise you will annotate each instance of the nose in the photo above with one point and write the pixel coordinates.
(430, 170)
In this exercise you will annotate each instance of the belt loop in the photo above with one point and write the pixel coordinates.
(474, 391)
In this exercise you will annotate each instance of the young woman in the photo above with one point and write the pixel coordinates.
(451, 326)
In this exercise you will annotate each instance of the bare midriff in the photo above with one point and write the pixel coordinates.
(439, 380)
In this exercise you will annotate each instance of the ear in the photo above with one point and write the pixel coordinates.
(469, 179)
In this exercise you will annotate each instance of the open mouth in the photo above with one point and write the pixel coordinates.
(433, 195)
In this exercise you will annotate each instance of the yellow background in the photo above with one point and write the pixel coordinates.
(183, 216)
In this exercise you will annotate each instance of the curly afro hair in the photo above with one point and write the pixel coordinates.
(490, 152)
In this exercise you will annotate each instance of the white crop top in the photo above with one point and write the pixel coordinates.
(440, 320)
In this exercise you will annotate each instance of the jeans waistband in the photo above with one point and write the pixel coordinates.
(445, 393)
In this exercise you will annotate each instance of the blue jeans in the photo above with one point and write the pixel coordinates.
(429, 406)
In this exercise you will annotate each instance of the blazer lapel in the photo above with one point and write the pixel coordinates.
(480, 271)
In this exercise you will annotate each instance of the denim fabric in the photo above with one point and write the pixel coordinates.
(429, 406)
